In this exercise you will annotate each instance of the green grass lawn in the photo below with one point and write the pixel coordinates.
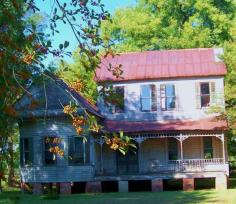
(14, 196)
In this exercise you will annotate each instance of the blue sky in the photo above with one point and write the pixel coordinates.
(65, 31)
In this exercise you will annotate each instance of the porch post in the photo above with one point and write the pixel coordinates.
(181, 148)
(223, 148)
(139, 140)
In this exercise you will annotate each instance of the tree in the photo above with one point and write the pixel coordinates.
(168, 24)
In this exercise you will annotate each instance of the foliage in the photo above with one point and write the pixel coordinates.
(23, 47)
(167, 24)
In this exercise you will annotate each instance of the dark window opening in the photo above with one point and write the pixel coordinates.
(110, 186)
(208, 149)
(168, 97)
(26, 150)
(172, 149)
(50, 145)
(119, 99)
(128, 163)
(172, 184)
(205, 94)
(51, 188)
(140, 185)
(78, 149)
(204, 183)
(148, 98)
(78, 187)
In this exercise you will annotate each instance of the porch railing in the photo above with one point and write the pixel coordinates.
(187, 165)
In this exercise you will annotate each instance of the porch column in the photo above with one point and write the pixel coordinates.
(139, 140)
(223, 147)
(101, 155)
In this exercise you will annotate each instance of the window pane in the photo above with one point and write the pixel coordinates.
(205, 88)
(79, 151)
(146, 104)
(170, 90)
(145, 91)
(26, 144)
(205, 100)
(208, 150)
(119, 103)
(49, 157)
(172, 149)
(170, 103)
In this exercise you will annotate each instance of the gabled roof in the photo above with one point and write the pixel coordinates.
(84, 103)
(146, 65)
(50, 99)
(206, 124)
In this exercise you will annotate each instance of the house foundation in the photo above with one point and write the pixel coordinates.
(65, 188)
(123, 186)
(93, 187)
(37, 189)
(221, 182)
(188, 184)
(157, 185)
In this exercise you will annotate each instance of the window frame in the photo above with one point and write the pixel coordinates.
(44, 151)
(170, 150)
(167, 97)
(85, 148)
(152, 98)
(205, 150)
(23, 151)
(202, 95)
(115, 108)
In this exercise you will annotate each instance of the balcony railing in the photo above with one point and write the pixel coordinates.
(188, 165)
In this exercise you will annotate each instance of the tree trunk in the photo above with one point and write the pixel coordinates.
(11, 173)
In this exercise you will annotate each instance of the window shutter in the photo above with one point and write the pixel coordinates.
(163, 96)
(71, 149)
(213, 93)
(154, 97)
(198, 95)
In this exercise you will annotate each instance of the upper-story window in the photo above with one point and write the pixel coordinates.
(118, 102)
(168, 97)
(205, 94)
(26, 149)
(148, 98)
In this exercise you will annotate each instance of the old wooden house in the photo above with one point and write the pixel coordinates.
(167, 102)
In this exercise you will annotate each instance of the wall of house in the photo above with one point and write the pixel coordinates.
(186, 106)
(60, 172)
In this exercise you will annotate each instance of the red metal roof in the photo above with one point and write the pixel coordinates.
(162, 64)
(208, 124)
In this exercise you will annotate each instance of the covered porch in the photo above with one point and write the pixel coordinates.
(161, 153)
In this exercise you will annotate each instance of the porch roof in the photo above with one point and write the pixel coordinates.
(207, 124)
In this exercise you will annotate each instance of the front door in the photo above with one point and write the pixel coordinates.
(127, 164)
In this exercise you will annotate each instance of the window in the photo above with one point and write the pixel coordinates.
(148, 98)
(168, 97)
(78, 151)
(207, 145)
(26, 150)
(172, 149)
(205, 94)
(116, 99)
(51, 143)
